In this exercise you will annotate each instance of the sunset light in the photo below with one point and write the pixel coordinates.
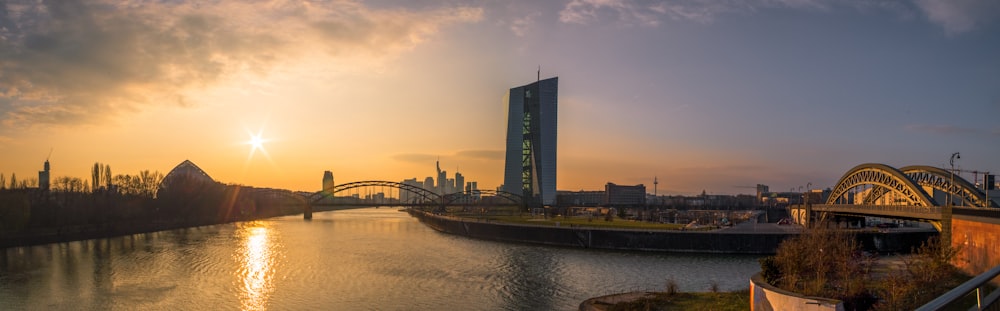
(705, 95)
(256, 142)
(498, 155)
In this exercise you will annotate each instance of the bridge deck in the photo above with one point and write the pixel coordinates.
(895, 211)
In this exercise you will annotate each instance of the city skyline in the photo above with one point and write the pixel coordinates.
(710, 95)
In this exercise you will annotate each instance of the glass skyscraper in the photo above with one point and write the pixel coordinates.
(530, 168)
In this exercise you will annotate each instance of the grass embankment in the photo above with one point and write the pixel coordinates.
(584, 222)
(722, 301)
(513, 216)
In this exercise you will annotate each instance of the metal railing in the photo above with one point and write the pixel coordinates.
(975, 284)
(884, 208)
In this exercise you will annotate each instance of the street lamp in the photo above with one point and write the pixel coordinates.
(951, 186)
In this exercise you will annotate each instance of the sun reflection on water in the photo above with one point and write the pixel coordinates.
(256, 260)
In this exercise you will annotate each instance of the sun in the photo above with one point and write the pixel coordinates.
(256, 142)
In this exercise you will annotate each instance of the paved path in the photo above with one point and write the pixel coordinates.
(750, 227)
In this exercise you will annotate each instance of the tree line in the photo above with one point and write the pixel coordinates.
(115, 204)
(143, 184)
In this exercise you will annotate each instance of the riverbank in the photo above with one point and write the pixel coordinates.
(69, 233)
(747, 238)
(86, 232)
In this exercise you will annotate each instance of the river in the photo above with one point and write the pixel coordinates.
(378, 259)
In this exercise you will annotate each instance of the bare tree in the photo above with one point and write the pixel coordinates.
(3, 182)
(95, 176)
(107, 175)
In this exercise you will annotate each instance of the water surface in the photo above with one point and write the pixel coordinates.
(352, 259)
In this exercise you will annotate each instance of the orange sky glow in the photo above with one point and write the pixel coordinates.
(719, 101)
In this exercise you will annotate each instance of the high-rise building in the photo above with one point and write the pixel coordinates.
(429, 183)
(459, 182)
(530, 168)
(442, 186)
(43, 177)
(328, 181)
(406, 196)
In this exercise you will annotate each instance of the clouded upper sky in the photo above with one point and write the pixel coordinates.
(708, 94)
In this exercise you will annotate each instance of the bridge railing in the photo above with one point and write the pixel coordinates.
(882, 208)
(975, 284)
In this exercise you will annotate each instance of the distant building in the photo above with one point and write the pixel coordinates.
(408, 196)
(328, 181)
(429, 184)
(43, 177)
(762, 191)
(618, 195)
(459, 182)
(530, 160)
(580, 198)
(442, 186)
(187, 174)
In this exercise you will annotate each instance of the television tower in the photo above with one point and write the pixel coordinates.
(656, 182)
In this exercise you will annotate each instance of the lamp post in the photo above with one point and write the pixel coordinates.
(951, 185)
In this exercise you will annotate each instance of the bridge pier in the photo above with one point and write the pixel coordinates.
(844, 222)
(945, 230)
(307, 213)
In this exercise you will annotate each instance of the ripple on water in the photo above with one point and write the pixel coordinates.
(355, 259)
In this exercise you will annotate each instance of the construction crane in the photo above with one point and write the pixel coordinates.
(976, 173)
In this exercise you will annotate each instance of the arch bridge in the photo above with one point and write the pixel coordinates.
(879, 190)
(390, 193)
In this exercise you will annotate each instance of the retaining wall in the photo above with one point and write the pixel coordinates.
(764, 297)
(652, 240)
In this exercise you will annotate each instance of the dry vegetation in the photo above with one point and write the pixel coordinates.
(830, 264)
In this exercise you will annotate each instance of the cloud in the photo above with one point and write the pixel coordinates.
(481, 154)
(583, 11)
(415, 157)
(520, 26)
(958, 16)
(72, 62)
(951, 130)
(464, 155)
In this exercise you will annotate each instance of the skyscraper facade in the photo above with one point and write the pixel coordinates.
(530, 168)
(459, 182)
(43, 177)
(328, 181)
(442, 185)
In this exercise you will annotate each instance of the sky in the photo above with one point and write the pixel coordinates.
(705, 95)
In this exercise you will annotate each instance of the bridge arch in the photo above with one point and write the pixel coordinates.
(883, 179)
(427, 195)
(940, 179)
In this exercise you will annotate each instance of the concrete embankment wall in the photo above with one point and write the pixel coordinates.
(661, 240)
(975, 234)
(678, 241)
(764, 297)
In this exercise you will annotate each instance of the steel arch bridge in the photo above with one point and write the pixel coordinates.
(906, 184)
(424, 197)
(898, 193)
(427, 196)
